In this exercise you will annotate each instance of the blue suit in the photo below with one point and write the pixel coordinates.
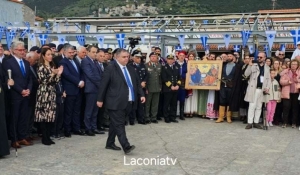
(70, 81)
(92, 75)
(181, 90)
(20, 104)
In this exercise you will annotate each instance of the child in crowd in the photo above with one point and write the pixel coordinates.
(273, 97)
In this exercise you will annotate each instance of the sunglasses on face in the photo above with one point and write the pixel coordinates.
(20, 50)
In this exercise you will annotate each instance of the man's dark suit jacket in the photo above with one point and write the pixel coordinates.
(21, 82)
(35, 84)
(57, 59)
(114, 89)
(70, 77)
(92, 75)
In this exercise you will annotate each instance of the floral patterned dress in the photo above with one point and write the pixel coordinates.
(46, 95)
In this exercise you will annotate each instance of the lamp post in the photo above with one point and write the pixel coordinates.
(94, 8)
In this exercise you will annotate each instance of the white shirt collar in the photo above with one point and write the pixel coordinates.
(121, 66)
(180, 63)
(1, 58)
(18, 59)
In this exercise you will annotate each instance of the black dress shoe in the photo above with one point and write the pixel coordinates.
(90, 133)
(129, 149)
(154, 121)
(131, 123)
(51, 141)
(105, 126)
(113, 147)
(158, 118)
(142, 123)
(147, 122)
(67, 134)
(96, 131)
(102, 129)
(181, 118)
(79, 132)
(167, 121)
(174, 121)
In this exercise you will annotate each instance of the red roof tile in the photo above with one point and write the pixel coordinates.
(214, 47)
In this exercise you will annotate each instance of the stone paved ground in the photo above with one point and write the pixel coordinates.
(200, 146)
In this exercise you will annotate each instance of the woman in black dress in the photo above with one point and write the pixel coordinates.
(45, 110)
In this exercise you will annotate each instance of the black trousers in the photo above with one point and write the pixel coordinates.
(91, 112)
(72, 113)
(19, 122)
(170, 105)
(82, 109)
(288, 104)
(138, 113)
(59, 119)
(102, 117)
(160, 112)
(225, 94)
(278, 112)
(117, 126)
(31, 119)
(8, 112)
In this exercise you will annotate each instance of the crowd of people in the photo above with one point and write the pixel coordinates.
(59, 91)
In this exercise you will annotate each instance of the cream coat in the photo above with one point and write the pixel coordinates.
(253, 72)
(274, 95)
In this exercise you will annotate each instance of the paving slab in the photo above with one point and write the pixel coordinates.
(199, 147)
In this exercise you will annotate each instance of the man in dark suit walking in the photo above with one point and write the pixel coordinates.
(92, 75)
(120, 88)
(20, 92)
(72, 80)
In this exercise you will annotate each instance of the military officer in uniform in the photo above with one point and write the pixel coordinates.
(140, 69)
(163, 62)
(170, 76)
(108, 54)
(144, 56)
(153, 88)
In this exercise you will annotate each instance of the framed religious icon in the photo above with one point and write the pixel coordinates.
(204, 75)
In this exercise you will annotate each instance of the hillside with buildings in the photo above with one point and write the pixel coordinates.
(80, 8)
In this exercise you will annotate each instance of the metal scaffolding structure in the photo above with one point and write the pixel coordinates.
(192, 26)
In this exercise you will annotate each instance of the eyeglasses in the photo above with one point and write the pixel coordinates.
(20, 50)
(281, 54)
(260, 57)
